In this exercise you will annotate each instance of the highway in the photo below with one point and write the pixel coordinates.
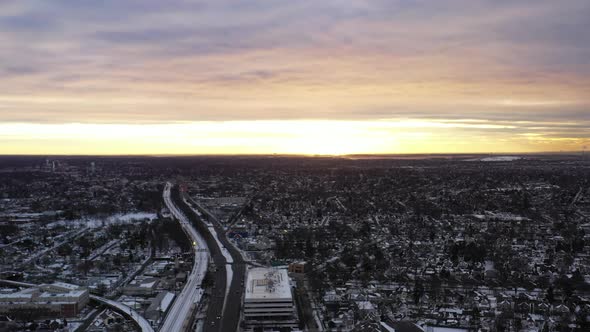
(213, 319)
(233, 296)
(139, 320)
(179, 316)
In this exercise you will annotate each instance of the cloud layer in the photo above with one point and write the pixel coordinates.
(170, 62)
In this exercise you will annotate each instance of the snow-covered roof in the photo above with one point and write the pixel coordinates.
(268, 283)
(76, 293)
(166, 301)
(65, 285)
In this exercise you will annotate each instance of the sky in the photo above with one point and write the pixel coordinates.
(294, 77)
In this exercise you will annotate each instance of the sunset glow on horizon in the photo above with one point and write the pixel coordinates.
(301, 137)
(330, 78)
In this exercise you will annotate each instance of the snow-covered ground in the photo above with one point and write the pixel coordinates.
(73, 326)
(505, 216)
(244, 254)
(497, 159)
(95, 222)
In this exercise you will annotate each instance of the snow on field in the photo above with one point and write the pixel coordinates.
(95, 222)
(500, 158)
(504, 216)
(133, 216)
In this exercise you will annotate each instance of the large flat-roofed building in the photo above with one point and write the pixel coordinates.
(268, 303)
(46, 301)
(142, 286)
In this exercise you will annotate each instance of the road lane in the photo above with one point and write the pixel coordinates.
(181, 311)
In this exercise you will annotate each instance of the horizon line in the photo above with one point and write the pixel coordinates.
(296, 154)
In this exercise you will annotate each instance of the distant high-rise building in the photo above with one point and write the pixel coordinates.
(268, 302)
(92, 167)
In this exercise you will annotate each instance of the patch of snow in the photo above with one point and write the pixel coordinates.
(73, 326)
(500, 158)
(166, 301)
(96, 222)
(224, 251)
(230, 274)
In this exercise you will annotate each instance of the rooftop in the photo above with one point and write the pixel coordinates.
(76, 293)
(65, 286)
(268, 283)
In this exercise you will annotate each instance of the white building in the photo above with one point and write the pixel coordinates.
(268, 303)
